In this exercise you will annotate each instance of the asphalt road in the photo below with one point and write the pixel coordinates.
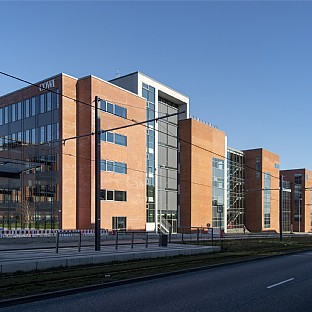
(276, 284)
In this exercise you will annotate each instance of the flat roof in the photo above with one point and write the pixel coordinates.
(142, 74)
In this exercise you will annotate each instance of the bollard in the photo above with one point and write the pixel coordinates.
(116, 242)
(197, 236)
(57, 242)
(132, 239)
(146, 239)
(170, 232)
(79, 243)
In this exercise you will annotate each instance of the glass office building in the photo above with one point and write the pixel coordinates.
(29, 186)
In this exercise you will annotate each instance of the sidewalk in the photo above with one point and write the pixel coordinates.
(45, 258)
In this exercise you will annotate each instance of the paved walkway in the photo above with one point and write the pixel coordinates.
(46, 258)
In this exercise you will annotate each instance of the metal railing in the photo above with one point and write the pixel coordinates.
(144, 236)
(64, 233)
(197, 235)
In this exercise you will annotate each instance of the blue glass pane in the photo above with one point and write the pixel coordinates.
(120, 167)
(120, 139)
(103, 105)
(110, 137)
(103, 165)
(145, 93)
(110, 108)
(120, 111)
(110, 166)
(103, 136)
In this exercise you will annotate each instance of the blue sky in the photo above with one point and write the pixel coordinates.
(246, 66)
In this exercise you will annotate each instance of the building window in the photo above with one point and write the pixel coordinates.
(42, 103)
(19, 111)
(113, 195)
(217, 192)
(49, 101)
(33, 106)
(114, 138)
(109, 195)
(267, 200)
(117, 167)
(6, 115)
(120, 196)
(148, 92)
(119, 223)
(113, 109)
(120, 111)
(258, 167)
(13, 112)
(298, 197)
(27, 108)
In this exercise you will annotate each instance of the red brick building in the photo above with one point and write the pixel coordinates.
(261, 190)
(301, 198)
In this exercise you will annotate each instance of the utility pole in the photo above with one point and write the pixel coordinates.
(281, 207)
(97, 223)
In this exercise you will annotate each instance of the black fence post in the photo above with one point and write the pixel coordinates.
(57, 241)
(116, 241)
(146, 239)
(79, 242)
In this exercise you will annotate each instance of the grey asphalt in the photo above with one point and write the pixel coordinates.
(276, 284)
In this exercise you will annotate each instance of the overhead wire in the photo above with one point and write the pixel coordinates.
(84, 103)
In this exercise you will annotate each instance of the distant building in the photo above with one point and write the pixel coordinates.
(261, 190)
(300, 183)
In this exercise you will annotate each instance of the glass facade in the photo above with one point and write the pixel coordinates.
(235, 212)
(168, 164)
(298, 197)
(217, 192)
(27, 131)
(148, 92)
(286, 207)
(267, 200)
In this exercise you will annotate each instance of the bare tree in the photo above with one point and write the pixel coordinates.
(27, 211)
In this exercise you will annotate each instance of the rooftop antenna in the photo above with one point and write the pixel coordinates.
(118, 73)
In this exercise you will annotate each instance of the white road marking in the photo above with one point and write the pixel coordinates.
(280, 283)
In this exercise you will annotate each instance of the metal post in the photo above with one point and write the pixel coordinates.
(79, 243)
(281, 208)
(197, 236)
(170, 232)
(97, 232)
(57, 241)
(132, 240)
(116, 241)
(146, 239)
